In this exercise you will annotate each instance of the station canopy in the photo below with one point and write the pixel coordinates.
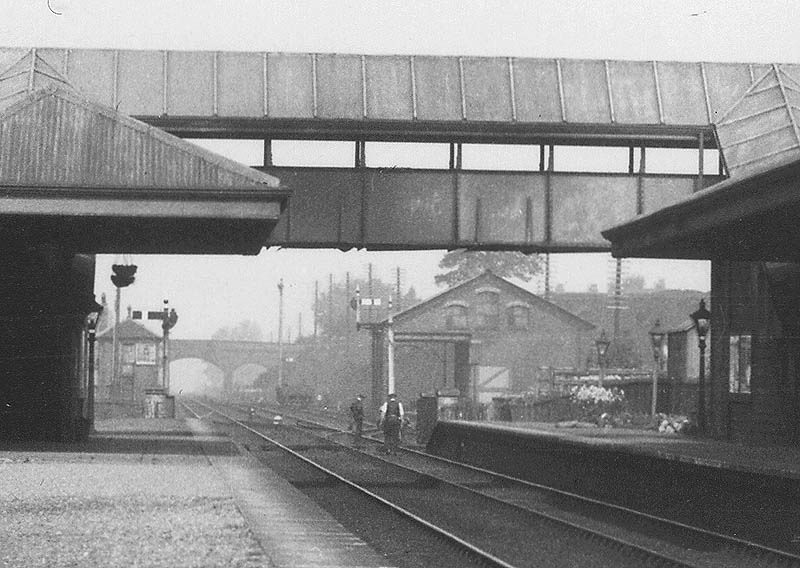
(753, 214)
(88, 176)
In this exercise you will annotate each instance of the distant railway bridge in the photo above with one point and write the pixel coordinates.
(228, 356)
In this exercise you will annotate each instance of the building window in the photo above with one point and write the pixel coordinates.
(456, 317)
(487, 311)
(128, 353)
(518, 317)
(145, 354)
(740, 358)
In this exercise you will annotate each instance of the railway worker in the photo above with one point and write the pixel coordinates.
(391, 420)
(357, 413)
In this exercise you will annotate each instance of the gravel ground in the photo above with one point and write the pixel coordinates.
(67, 508)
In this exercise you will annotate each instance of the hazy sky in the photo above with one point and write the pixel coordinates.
(210, 292)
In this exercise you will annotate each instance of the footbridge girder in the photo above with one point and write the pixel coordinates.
(393, 208)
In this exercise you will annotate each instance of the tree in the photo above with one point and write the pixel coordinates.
(462, 265)
(245, 330)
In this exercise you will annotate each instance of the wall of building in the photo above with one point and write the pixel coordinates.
(46, 293)
(551, 339)
(125, 395)
(760, 301)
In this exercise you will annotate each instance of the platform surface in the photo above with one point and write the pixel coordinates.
(160, 492)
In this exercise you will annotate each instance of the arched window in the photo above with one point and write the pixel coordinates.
(518, 316)
(456, 316)
(487, 312)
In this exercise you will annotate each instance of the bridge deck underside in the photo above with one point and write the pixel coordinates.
(390, 209)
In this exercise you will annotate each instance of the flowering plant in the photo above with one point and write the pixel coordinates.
(594, 401)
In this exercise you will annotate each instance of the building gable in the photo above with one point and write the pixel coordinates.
(466, 298)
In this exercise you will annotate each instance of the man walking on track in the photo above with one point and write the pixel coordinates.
(357, 414)
(391, 419)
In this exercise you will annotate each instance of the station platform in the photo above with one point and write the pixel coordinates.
(778, 461)
(160, 492)
(745, 490)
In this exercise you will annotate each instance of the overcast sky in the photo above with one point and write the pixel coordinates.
(210, 292)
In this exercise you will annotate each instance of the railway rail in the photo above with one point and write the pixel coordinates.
(521, 523)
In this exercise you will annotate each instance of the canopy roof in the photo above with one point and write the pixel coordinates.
(753, 214)
(761, 129)
(749, 217)
(107, 182)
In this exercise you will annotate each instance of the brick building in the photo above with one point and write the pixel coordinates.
(484, 338)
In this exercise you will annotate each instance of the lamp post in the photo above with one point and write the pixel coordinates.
(657, 336)
(602, 343)
(123, 275)
(91, 330)
(701, 318)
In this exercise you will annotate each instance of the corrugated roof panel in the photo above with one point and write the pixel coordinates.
(29, 73)
(487, 89)
(290, 85)
(682, 93)
(761, 129)
(438, 85)
(241, 84)
(141, 83)
(439, 89)
(52, 135)
(585, 91)
(339, 86)
(726, 82)
(633, 92)
(388, 88)
(92, 72)
(190, 86)
(536, 90)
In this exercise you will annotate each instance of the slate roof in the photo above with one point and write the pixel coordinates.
(488, 278)
(128, 329)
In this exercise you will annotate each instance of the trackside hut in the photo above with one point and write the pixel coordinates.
(485, 337)
(747, 227)
(139, 358)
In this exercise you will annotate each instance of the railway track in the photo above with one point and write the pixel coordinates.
(511, 521)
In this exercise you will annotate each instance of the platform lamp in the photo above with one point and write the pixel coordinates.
(701, 318)
(657, 336)
(91, 330)
(601, 344)
(123, 275)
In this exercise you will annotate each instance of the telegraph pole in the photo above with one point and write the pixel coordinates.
(280, 333)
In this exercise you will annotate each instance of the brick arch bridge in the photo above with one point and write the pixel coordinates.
(229, 356)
